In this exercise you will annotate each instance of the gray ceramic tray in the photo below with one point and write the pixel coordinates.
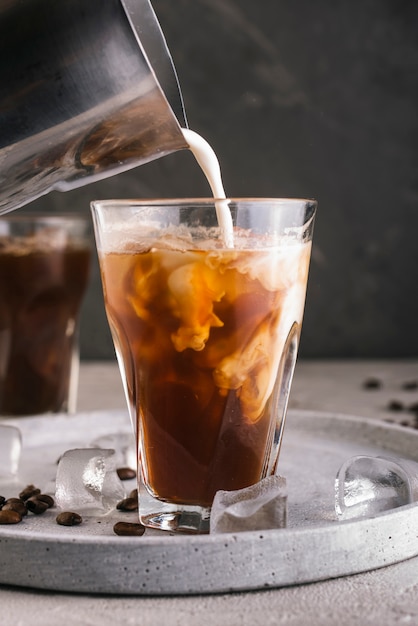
(90, 558)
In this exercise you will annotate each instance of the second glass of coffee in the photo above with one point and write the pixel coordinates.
(44, 271)
(206, 337)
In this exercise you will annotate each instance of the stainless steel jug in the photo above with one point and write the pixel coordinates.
(87, 90)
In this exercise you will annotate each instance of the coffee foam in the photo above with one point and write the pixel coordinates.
(47, 240)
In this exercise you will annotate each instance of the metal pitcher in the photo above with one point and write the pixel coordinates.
(87, 90)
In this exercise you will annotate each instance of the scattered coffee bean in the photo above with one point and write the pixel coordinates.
(133, 494)
(2, 500)
(49, 500)
(395, 405)
(28, 492)
(15, 504)
(126, 473)
(68, 518)
(372, 383)
(128, 504)
(36, 506)
(9, 517)
(413, 408)
(128, 529)
(410, 385)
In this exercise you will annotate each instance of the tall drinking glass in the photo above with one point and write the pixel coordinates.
(44, 273)
(206, 338)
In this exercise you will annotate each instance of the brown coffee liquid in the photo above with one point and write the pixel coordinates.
(200, 337)
(40, 297)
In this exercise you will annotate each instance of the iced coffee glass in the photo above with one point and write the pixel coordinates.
(44, 271)
(206, 338)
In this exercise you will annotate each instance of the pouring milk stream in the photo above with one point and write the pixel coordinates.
(207, 159)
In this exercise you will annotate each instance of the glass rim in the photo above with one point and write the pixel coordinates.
(200, 200)
(34, 217)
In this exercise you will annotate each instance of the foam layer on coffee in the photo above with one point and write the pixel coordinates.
(47, 240)
(131, 236)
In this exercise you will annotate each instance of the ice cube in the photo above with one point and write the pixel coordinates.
(87, 481)
(10, 449)
(259, 507)
(367, 485)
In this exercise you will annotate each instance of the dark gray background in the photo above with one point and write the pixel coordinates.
(309, 99)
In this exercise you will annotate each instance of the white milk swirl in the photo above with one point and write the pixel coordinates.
(209, 163)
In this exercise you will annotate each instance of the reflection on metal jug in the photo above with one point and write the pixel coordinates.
(87, 90)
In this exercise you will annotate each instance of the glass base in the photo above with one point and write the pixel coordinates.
(185, 518)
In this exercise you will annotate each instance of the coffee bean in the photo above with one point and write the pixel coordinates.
(49, 500)
(36, 506)
(128, 529)
(128, 504)
(126, 473)
(395, 405)
(372, 383)
(28, 492)
(133, 494)
(410, 385)
(68, 518)
(9, 517)
(15, 504)
(2, 500)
